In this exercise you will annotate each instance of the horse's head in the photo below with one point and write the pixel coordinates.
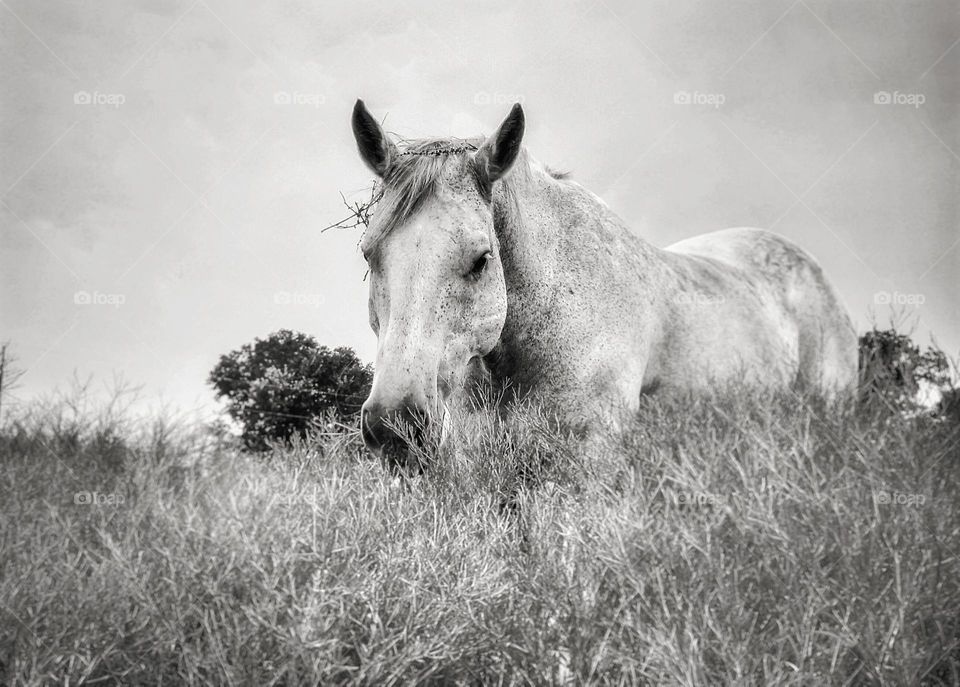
(437, 295)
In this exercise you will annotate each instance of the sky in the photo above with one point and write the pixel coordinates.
(169, 166)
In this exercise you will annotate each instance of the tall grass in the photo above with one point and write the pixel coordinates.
(737, 540)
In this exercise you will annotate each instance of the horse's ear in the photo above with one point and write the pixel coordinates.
(499, 152)
(375, 148)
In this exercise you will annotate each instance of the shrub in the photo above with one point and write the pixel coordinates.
(276, 387)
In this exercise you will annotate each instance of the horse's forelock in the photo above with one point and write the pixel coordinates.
(416, 174)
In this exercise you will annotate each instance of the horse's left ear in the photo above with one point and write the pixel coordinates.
(499, 152)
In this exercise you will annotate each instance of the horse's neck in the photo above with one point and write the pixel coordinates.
(553, 234)
(545, 226)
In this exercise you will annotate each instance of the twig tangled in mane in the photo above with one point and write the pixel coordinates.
(360, 211)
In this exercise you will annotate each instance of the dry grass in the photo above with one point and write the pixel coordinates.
(738, 540)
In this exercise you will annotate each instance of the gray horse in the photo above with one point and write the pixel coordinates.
(480, 254)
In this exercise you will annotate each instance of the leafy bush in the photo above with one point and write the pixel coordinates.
(275, 387)
(892, 368)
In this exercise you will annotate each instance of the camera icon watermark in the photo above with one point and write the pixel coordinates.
(763, 494)
(97, 298)
(488, 98)
(897, 498)
(897, 298)
(298, 98)
(699, 299)
(897, 98)
(114, 100)
(714, 100)
(696, 498)
(96, 498)
(313, 300)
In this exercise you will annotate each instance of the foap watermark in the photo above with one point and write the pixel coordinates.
(897, 298)
(883, 497)
(897, 98)
(701, 499)
(734, 499)
(97, 98)
(97, 298)
(313, 300)
(298, 98)
(487, 98)
(714, 100)
(96, 498)
(700, 299)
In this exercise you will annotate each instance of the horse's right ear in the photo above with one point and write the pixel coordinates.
(375, 148)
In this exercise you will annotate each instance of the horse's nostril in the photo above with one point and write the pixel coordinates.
(372, 428)
(395, 435)
(379, 424)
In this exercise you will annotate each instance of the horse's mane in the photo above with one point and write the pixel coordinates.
(418, 173)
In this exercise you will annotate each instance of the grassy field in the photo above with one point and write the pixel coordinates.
(744, 540)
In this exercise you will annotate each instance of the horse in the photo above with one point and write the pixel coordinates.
(479, 255)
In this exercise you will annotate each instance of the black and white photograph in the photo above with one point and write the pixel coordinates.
(574, 342)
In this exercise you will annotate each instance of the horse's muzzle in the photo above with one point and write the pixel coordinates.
(398, 435)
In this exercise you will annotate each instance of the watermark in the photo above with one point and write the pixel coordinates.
(898, 98)
(114, 100)
(97, 298)
(734, 499)
(897, 298)
(313, 300)
(95, 498)
(898, 498)
(487, 98)
(695, 498)
(699, 299)
(714, 100)
(298, 98)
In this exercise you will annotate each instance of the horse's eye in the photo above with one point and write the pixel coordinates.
(479, 266)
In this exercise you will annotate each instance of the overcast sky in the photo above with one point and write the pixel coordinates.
(173, 163)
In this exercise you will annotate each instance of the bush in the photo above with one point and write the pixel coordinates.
(276, 387)
(892, 368)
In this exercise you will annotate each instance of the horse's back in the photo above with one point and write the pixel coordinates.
(785, 275)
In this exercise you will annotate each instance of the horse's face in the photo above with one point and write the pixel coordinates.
(438, 298)
(437, 301)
